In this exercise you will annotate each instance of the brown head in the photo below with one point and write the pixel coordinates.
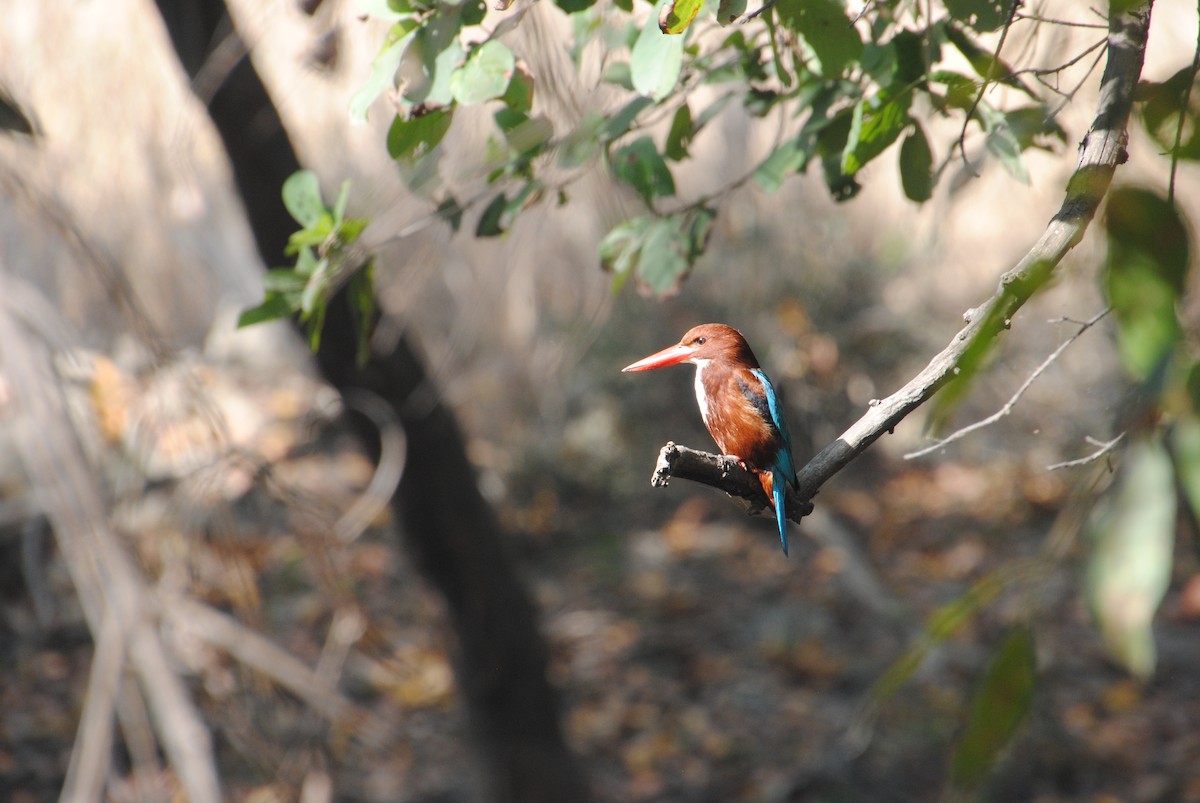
(708, 341)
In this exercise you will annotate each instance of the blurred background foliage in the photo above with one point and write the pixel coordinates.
(841, 184)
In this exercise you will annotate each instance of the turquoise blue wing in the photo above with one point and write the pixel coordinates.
(783, 459)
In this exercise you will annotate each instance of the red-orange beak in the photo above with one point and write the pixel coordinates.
(672, 355)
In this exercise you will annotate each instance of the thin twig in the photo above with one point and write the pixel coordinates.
(92, 751)
(983, 86)
(1042, 71)
(1104, 449)
(1066, 23)
(1069, 96)
(1012, 402)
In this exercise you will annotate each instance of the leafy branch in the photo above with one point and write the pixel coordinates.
(1101, 152)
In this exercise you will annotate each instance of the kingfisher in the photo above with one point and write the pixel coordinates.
(739, 406)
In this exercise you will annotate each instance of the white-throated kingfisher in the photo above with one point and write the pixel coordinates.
(739, 406)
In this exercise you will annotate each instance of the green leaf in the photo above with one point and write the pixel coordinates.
(311, 237)
(350, 228)
(284, 280)
(677, 15)
(361, 294)
(663, 262)
(485, 75)
(944, 623)
(657, 252)
(450, 211)
(656, 61)
(383, 68)
(981, 15)
(527, 137)
(440, 52)
(316, 291)
(620, 121)
(473, 12)
(618, 73)
(1144, 275)
(306, 262)
(302, 198)
(984, 62)
(697, 226)
(1162, 103)
(575, 6)
(489, 221)
(641, 166)
(582, 144)
(621, 248)
(876, 124)
(826, 29)
(273, 307)
(786, 159)
(911, 63)
(409, 140)
(832, 135)
(960, 90)
(390, 10)
(730, 10)
(998, 707)
(314, 323)
(1129, 567)
(519, 95)
(339, 206)
(1002, 143)
(916, 166)
(680, 135)
(13, 118)
(1033, 127)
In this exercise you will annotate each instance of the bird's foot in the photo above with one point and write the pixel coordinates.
(728, 461)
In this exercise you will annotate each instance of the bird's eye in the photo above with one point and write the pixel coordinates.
(700, 341)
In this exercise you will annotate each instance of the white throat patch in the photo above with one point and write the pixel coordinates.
(701, 396)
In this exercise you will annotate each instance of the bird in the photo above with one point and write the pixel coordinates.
(739, 406)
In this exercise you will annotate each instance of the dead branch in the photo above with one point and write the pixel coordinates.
(721, 473)
(1101, 450)
(102, 571)
(1100, 153)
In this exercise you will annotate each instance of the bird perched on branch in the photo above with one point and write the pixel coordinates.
(739, 406)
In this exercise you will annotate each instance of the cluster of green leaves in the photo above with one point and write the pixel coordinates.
(845, 91)
(1131, 542)
(324, 262)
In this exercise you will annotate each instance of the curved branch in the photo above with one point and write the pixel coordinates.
(1101, 152)
(721, 473)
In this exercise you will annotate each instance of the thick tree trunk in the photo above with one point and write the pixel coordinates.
(448, 526)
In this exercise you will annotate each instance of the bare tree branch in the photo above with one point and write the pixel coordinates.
(1101, 152)
(1104, 448)
(721, 473)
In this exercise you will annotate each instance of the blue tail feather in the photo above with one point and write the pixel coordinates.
(780, 493)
